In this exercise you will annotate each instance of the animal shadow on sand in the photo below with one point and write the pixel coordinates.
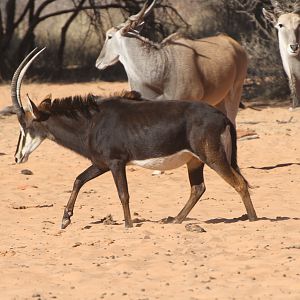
(245, 218)
(139, 221)
(275, 166)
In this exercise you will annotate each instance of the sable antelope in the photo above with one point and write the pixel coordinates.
(116, 132)
(288, 26)
(211, 69)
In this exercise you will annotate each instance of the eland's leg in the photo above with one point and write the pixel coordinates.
(295, 92)
(118, 169)
(195, 170)
(89, 174)
(230, 104)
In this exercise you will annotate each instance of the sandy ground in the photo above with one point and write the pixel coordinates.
(233, 259)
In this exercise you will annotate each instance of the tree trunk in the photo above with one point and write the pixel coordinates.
(63, 36)
(6, 37)
(31, 39)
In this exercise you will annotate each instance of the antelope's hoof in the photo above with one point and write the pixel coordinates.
(65, 223)
(66, 220)
(253, 219)
(168, 220)
(129, 225)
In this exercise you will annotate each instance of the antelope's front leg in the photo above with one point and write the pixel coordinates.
(295, 93)
(89, 174)
(118, 170)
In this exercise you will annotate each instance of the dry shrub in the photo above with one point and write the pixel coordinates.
(243, 20)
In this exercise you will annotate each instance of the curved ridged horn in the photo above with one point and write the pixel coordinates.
(17, 80)
(143, 13)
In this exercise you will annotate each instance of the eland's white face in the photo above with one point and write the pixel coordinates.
(110, 52)
(288, 26)
(113, 47)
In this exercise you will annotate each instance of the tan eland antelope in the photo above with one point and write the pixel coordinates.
(211, 69)
(288, 26)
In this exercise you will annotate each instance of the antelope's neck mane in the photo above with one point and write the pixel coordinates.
(74, 106)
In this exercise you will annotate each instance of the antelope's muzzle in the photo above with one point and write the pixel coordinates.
(294, 49)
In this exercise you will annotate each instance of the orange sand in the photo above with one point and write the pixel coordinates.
(233, 259)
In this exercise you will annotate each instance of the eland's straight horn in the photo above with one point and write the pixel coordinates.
(128, 130)
(143, 13)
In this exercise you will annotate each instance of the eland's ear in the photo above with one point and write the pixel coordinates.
(140, 27)
(32, 108)
(126, 28)
(269, 16)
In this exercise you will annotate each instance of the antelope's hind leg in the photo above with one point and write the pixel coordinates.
(195, 171)
(239, 183)
(89, 174)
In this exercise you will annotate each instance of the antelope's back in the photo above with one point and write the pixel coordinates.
(221, 64)
(151, 128)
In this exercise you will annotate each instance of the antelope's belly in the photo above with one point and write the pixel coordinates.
(165, 163)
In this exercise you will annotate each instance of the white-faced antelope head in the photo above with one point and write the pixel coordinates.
(288, 27)
(31, 132)
(110, 52)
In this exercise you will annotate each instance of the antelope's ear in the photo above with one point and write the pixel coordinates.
(46, 103)
(32, 108)
(269, 16)
(48, 97)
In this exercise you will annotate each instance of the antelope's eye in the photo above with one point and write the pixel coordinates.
(280, 25)
(109, 37)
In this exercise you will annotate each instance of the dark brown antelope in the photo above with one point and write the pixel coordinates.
(118, 131)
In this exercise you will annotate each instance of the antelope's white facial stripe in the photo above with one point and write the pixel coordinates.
(26, 145)
(166, 163)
